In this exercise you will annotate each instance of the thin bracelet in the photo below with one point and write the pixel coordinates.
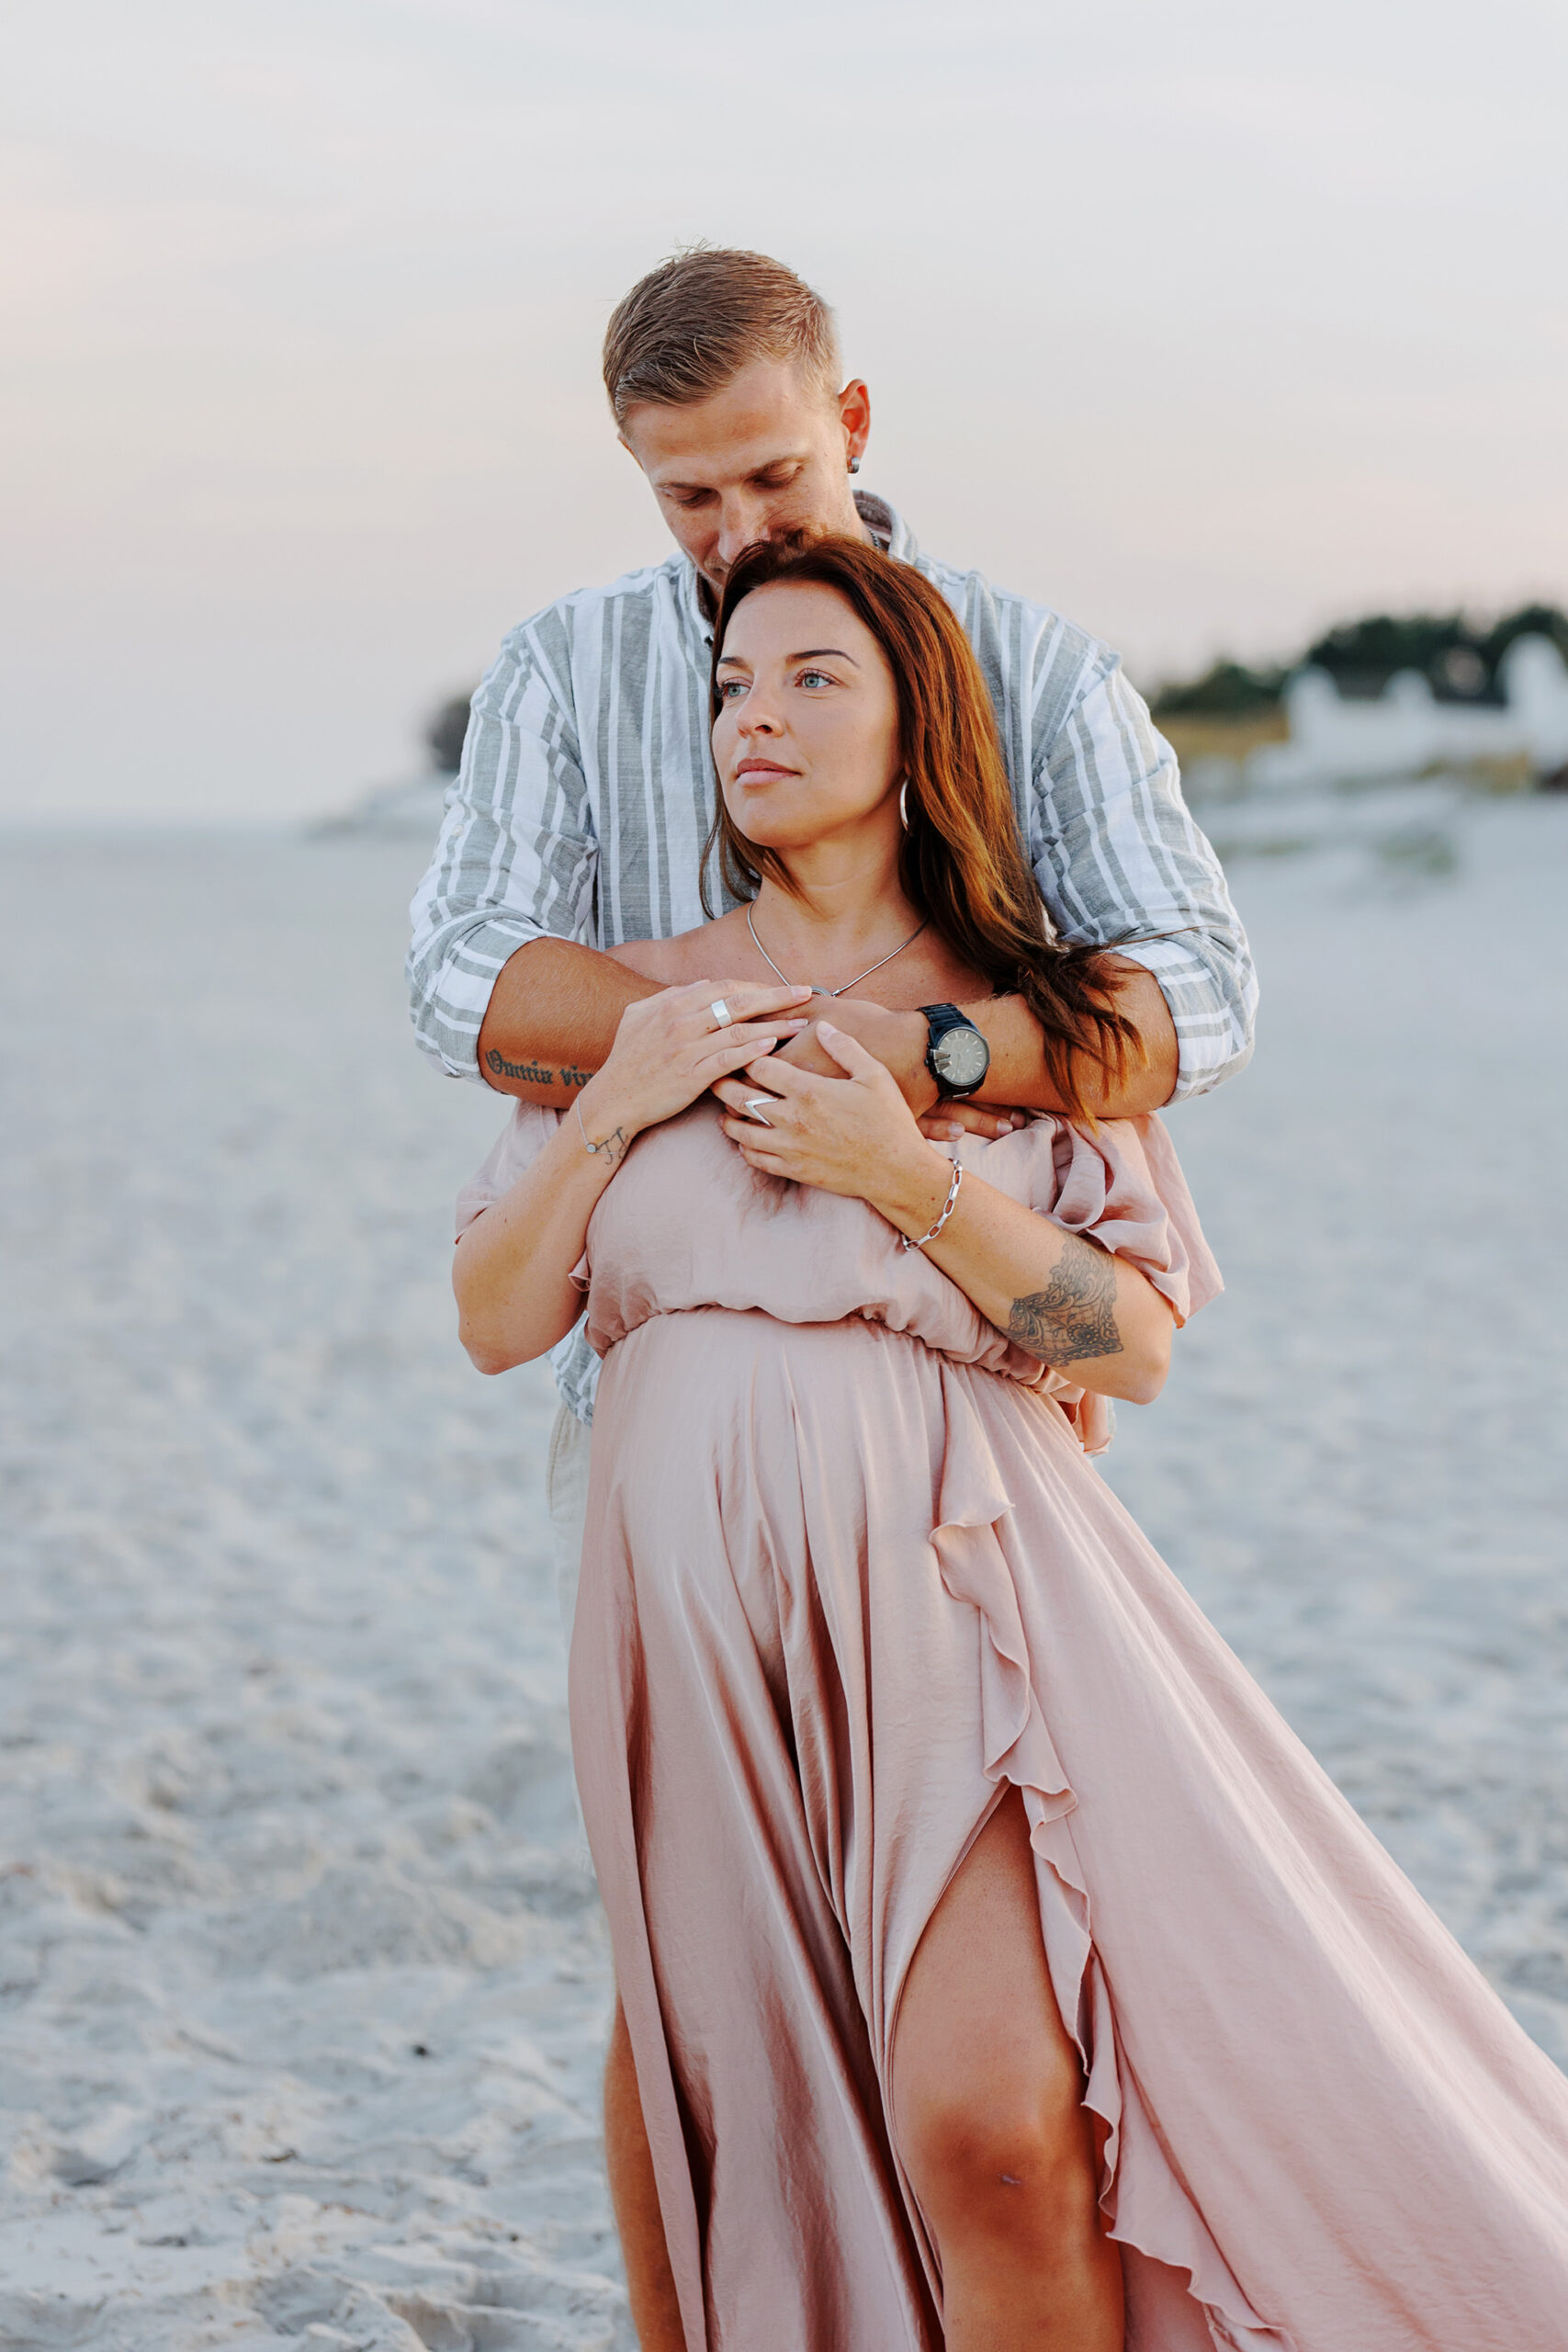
(920, 1239)
(583, 1131)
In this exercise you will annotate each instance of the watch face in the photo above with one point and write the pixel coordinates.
(960, 1058)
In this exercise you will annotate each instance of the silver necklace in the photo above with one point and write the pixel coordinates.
(859, 977)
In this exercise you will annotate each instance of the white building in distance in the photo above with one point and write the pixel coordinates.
(1407, 731)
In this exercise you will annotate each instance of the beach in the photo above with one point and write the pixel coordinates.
(303, 1982)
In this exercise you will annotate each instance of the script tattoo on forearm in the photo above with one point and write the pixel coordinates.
(535, 1073)
(1075, 1315)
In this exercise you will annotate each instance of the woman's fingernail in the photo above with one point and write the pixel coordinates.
(826, 1029)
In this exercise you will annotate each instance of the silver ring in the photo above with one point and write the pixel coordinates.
(721, 1013)
(753, 1112)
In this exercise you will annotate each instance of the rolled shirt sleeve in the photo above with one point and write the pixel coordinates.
(516, 856)
(1121, 863)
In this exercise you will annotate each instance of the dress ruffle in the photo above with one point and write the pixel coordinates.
(1144, 2205)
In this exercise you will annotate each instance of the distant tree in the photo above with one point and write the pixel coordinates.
(1361, 656)
(1531, 620)
(1458, 658)
(1227, 690)
(443, 733)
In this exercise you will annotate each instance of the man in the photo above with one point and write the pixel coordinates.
(586, 792)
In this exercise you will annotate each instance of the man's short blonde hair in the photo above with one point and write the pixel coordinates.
(693, 322)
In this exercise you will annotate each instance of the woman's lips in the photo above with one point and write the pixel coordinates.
(762, 768)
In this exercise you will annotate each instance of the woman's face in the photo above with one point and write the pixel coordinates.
(805, 741)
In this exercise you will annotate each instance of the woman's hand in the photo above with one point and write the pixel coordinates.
(669, 1049)
(512, 1268)
(900, 1041)
(854, 1135)
(1054, 1293)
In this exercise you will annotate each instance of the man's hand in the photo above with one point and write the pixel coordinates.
(897, 1040)
(948, 1121)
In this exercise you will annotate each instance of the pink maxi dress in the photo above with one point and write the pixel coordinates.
(849, 1575)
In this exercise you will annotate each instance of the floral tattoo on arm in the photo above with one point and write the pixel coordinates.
(1075, 1315)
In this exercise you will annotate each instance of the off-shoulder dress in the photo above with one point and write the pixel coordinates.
(851, 1573)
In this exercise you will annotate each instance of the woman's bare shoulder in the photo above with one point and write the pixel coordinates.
(699, 954)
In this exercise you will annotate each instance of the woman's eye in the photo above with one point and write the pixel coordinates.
(814, 678)
(730, 688)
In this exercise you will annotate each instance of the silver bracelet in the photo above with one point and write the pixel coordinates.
(583, 1131)
(920, 1239)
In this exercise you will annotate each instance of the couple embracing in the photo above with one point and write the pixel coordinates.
(995, 1967)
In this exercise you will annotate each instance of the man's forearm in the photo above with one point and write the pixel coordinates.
(1018, 1078)
(1018, 1074)
(554, 1008)
(552, 1018)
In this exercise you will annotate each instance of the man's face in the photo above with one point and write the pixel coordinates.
(766, 455)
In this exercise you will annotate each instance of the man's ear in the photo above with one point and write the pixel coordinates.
(854, 415)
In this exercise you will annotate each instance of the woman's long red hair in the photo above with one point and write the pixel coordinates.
(961, 863)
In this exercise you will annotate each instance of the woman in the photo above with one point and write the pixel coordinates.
(999, 1971)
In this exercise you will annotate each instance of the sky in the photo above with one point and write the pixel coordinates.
(1208, 324)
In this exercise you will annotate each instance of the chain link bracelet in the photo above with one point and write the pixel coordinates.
(920, 1239)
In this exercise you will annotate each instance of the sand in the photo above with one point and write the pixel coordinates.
(303, 1984)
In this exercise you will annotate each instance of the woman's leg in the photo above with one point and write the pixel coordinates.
(650, 2283)
(987, 2102)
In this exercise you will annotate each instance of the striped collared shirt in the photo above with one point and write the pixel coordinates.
(587, 789)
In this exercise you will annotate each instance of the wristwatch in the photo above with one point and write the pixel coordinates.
(957, 1055)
